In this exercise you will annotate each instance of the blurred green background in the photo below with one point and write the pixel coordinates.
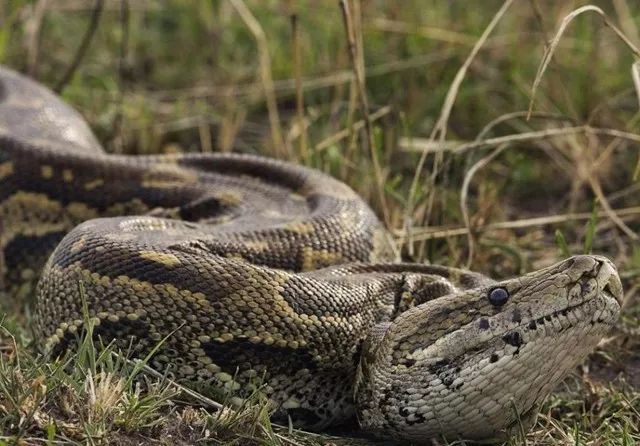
(163, 76)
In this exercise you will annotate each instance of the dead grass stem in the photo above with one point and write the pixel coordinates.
(437, 232)
(82, 49)
(550, 50)
(440, 129)
(464, 207)
(426, 145)
(279, 145)
(356, 55)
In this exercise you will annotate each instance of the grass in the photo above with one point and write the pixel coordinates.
(419, 106)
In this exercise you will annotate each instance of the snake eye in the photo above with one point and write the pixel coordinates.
(498, 296)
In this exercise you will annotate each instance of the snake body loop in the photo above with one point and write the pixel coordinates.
(253, 273)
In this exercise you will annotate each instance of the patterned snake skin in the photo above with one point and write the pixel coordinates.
(258, 273)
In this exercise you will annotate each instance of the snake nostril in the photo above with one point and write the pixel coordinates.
(584, 266)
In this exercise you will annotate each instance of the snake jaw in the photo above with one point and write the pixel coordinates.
(478, 366)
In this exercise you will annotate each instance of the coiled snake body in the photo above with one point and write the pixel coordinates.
(252, 272)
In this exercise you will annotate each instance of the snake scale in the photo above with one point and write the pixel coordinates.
(249, 272)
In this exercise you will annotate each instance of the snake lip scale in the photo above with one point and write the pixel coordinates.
(256, 272)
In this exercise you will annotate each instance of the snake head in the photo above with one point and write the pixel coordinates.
(477, 364)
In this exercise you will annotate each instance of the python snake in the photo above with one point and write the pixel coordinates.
(252, 272)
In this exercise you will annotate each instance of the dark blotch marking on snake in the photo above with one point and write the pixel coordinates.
(409, 362)
(303, 416)
(417, 417)
(447, 372)
(513, 338)
(242, 354)
(516, 316)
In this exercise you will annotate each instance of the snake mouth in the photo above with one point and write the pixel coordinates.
(610, 296)
(602, 309)
(603, 305)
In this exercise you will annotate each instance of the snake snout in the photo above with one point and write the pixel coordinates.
(610, 280)
(588, 267)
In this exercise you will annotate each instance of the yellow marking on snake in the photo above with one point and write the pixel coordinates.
(167, 177)
(133, 206)
(94, 184)
(163, 258)
(67, 175)
(78, 244)
(35, 214)
(314, 259)
(299, 227)
(46, 172)
(229, 198)
(6, 169)
(297, 197)
(256, 245)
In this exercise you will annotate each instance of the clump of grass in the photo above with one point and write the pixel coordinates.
(95, 395)
(85, 396)
(588, 412)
